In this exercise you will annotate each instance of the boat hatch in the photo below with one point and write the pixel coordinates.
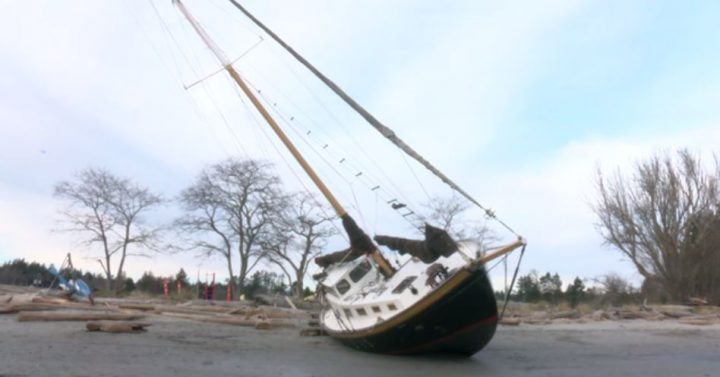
(360, 271)
(404, 284)
(343, 286)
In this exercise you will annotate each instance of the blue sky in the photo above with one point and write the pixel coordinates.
(518, 101)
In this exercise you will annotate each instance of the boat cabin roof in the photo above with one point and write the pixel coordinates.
(338, 271)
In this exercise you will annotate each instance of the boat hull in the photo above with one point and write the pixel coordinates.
(460, 320)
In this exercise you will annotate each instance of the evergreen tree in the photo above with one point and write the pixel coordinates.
(575, 292)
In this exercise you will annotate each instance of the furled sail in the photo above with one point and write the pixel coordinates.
(437, 243)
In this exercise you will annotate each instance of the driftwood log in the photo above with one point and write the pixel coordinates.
(510, 321)
(68, 316)
(570, 314)
(117, 327)
(230, 320)
(33, 307)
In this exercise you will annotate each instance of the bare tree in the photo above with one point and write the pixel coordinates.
(109, 211)
(449, 213)
(229, 211)
(299, 237)
(665, 218)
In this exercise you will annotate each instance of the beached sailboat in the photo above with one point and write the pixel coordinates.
(439, 300)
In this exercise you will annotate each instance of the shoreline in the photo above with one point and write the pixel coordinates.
(176, 347)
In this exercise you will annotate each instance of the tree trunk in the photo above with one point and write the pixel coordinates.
(108, 274)
(231, 282)
(299, 285)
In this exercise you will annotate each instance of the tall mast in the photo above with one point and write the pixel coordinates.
(354, 232)
(374, 122)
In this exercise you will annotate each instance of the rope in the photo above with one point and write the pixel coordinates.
(305, 137)
(334, 118)
(512, 282)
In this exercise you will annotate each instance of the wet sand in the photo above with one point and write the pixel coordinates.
(183, 348)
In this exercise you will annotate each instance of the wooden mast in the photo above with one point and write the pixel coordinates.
(227, 65)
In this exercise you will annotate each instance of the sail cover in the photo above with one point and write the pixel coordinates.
(360, 244)
(437, 243)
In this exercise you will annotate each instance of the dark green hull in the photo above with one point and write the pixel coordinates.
(462, 320)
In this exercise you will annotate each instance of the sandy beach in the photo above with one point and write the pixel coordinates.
(174, 347)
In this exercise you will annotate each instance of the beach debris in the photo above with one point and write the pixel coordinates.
(510, 321)
(313, 331)
(289, 301)
(116, 327)
(697, 301)
(75, 316)
(600, 315)
(700, 320)
(571, 314)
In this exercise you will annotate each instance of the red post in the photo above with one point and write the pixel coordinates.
(166, 289)
(179, 287)
(229, 291)
(213, 287)
(206, 289)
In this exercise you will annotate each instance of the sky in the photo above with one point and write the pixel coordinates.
(518, 101)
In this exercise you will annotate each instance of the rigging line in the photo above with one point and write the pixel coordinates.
(242, 21)
(317, 152)
(387, 180)
(416, 177)
(376, 213)
(242, 55)
(271, 140)
(512, 283)
(505, 279)
(176, 75)
(357, 205)
(167, 35)
(237, 141)
(299, 134)
(374, 122)
(336, 120)
(272, 105)
(213, 101)
(359, 178)
(172, 37)
(275, 108)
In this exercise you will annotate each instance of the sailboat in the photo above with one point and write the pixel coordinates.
(439, 300)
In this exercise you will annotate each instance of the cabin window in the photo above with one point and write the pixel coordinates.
(348, 313)
(376, 309)
(392, 307)
(343, 286)
(404, 284)
(360, 271)
(361, 311)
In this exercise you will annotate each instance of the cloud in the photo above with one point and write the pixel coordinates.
(97, 83)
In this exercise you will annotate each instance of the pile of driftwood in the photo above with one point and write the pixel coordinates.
(118, 315)
(691, 315)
